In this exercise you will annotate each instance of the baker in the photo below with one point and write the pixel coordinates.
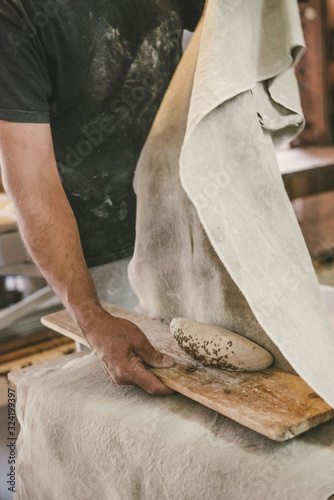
(80, 84)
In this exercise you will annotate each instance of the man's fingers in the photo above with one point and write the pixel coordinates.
(133, 372)
(149, 382)
(122, 348)
(153, 357)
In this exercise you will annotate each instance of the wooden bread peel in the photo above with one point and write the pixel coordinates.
(273, 402)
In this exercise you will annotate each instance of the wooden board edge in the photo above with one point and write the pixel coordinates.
(278, 434)
(16, 375)
(74, 336)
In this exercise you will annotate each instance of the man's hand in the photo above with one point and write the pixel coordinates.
(122, 347)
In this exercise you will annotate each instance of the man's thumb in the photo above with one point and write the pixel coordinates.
(155, 358)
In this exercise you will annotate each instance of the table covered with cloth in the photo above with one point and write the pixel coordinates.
(83, 437)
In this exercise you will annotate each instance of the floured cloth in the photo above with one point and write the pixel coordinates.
(217, 239)
(112, 284)
(83, 437)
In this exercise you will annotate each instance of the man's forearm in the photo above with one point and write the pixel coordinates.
(51, 235)
(49, 230)
(46, 220)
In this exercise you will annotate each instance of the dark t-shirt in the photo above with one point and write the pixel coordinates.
(97, 71)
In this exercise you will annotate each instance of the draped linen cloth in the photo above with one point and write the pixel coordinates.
(216, 238)
(83, 437)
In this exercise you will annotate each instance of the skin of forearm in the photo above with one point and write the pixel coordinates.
(51, 235)
(47, 223)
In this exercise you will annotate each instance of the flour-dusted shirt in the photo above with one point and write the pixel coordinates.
(96, 70)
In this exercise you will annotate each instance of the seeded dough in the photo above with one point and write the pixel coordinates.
(219, 347)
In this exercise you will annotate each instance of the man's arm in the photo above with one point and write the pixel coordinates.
(50, 232)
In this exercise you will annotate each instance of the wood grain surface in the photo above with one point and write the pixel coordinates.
(274, 403)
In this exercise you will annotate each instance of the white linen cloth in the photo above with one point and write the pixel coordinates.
(84, 438)
(225, 247)
(112, 284)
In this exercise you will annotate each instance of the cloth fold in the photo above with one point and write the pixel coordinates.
(244, 101)
(244, 43)
(83, 437)
(225, 247)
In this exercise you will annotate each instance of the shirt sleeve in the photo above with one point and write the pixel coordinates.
(193, 11)
(24, 83)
